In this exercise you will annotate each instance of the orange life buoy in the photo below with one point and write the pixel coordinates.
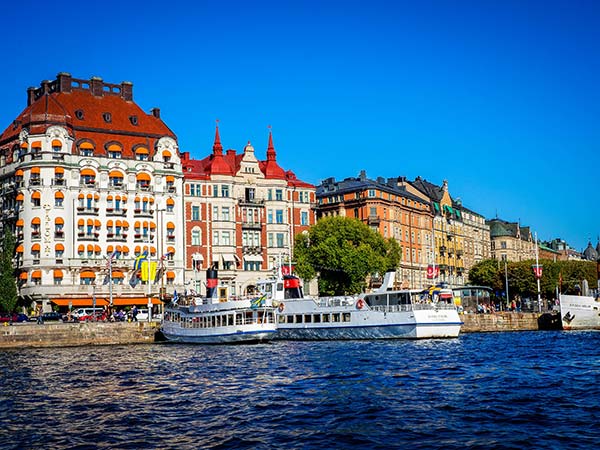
(360, 303)
(281, 306)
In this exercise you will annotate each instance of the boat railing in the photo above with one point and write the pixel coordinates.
(412, 307)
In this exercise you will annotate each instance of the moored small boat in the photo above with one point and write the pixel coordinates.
(210, 320)
(579, 312)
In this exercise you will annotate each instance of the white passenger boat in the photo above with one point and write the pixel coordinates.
(385, 314)
(214, 320)
(579, 312)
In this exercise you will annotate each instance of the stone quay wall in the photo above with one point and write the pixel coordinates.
(500, 321)
(74, 334)
(25, 335)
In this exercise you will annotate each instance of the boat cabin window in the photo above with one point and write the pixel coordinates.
(298, 318)
(346, 317)
(307, 318)
(335, 317)
(326, 318)
(317, 318)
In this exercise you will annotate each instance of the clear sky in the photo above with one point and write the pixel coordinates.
(501, 98)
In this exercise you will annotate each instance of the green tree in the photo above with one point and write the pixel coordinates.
(8, 286)
(343, 251)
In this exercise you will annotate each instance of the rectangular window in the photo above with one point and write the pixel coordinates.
(195, 213)
(196, 237)
(270, 194)
(371, 193)
(304, 218)
(279, 216)
(225, 213)
(278, 194)
(226, 238)
(215, 213)
(215, 189)
(270, 239)
(215, 238)
(270, 216)
(224, 190)
(280, 240)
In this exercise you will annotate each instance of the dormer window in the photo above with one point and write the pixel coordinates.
(86, 149)
(79, 114)
(133, 120)
(107, 117)
(141, 153)
(114, 151)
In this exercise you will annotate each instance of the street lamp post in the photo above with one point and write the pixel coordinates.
(538, 274)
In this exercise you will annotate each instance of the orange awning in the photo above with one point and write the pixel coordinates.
(20, 222)
(137, 224)
(20, 197)
(136, 200)
(80, 222)
(80, 196)
(36, 274)
(36, 144)
(81, 248)
(152, 225)
(151, 200)
(118, 223)
(170, 274)
(59, 194)
(115, 174)
(171, 250)
(166, 154)
(109, 198)
(89, 196)
(59, 170)
(35, 170)
(56, 143)
(19, 173)
(143, 176)
(170, 225)
(96, 197)
(20, 248)
(125, 224)
(90, 222)
(90, 248)
(118, 248)
(170, 179)
(97, 223)
(170, 201)
(97, 249)
(24, 145)
(141, 151)
(36, 221)
(36, 195)
(59, 221)
(114, 148)
(59, 247)
(117, 274)
(58, 273)
(86, 146)
(23, 276)
(125, 249)
(110, 249)
(76, 302)
(87, 173)
(124, 199)
(87, 274)
(140, 301)
(137, 249)
(109, 224)
(152, 251)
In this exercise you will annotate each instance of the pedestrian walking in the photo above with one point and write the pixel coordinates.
(134, 313)
(38, 311)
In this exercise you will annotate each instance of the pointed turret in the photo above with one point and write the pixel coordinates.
(271, 155)
(217, 147)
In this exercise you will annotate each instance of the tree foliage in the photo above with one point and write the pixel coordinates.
(567, 276)
(342, 251)
(8, 286)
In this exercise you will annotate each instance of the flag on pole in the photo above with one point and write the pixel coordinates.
(137, 264)
(175, 297)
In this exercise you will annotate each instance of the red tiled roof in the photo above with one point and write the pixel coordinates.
(60, 108)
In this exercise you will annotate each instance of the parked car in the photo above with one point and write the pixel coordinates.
(142, 315)
(51, 317)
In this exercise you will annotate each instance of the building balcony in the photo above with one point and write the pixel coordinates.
(88, 184)
(58, 181)
(116, 212)
(251, 225)
(88, 237)
(35, 182)
(251, 250)
(373, 220)
(59, 235)
(256, 202)
(141, 213)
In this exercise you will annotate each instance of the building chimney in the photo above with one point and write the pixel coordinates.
(155, 112)
(64, 82)
(45, 87)
(30, 95)
(97, 86)
(127, 91)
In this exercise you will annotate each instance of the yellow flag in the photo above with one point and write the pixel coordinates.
(148, 274)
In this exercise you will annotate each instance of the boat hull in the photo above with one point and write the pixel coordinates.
(579, 312)
(364, 324)
(220, 336)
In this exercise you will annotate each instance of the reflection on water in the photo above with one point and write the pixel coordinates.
(513, 390)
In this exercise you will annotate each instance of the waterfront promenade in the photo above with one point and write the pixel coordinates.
(57, 334)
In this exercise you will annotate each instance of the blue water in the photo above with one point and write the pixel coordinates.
(499, 390)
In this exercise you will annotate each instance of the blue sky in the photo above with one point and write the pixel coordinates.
(500, 98)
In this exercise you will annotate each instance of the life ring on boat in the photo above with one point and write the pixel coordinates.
(360, 303)
(281, 307)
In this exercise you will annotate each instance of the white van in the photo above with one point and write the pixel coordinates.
(80, 312)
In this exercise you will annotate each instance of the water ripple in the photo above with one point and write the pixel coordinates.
(481, 391)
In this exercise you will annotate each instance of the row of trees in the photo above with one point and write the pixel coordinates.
(567, 276)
